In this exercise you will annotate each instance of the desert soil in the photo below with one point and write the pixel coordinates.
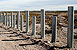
(14, 39)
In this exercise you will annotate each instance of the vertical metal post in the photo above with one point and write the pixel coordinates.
(59, 18)
(21, 23)
(42, 23)
(1, 19)
(14, 21)
(6, 19)
(11, 19)
(0, 14)
(33, 25)
(54, 28)
(18, 15)
(27, 21)
(70, 34)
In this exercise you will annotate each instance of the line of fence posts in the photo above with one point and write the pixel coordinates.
(70, 33)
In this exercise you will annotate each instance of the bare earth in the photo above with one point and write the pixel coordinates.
(13, 39)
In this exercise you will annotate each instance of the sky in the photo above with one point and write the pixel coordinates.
(21, 5)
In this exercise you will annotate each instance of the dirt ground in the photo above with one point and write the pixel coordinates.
(10, 40)
(14, 39)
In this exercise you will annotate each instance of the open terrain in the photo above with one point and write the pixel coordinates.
(14, 39)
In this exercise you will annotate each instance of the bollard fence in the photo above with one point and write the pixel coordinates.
(18, 15)
(33, 25)
(6, 19)
(54, 28)
(21, 23)
(27, 21)
(42, 23)
(9, 24)
(14, 21)
(11, 19)
(70, 33)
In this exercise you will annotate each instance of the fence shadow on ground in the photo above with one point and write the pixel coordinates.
(6, 33)
(48, 31)
(53, 47)
(29, 44)
(75, 37)
(15, 35)
(16, 39)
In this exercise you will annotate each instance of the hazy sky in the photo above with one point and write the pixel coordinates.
(36, 4)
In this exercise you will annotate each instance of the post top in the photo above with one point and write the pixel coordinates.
(70, 6)
(27, 10)
(42, 9)
(18, 11)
